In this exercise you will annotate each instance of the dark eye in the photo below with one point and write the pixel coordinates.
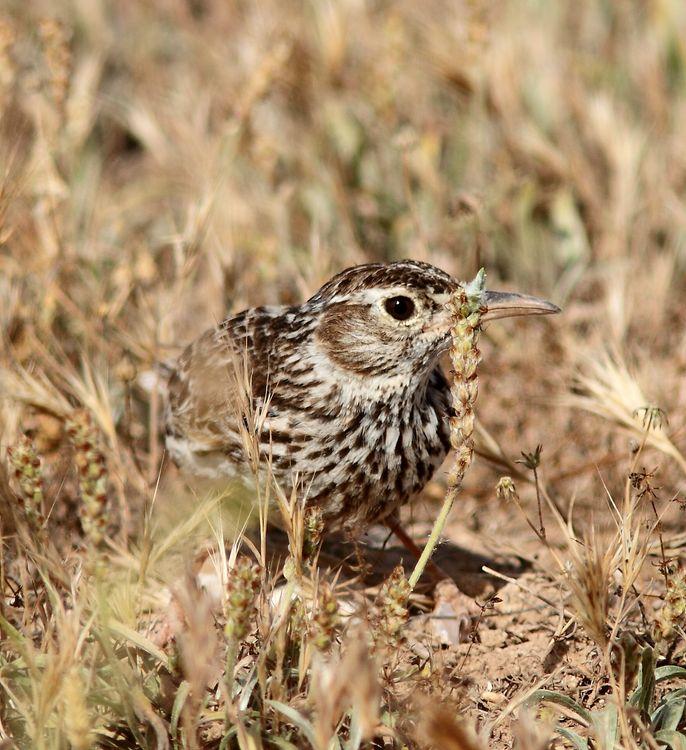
(400, 308)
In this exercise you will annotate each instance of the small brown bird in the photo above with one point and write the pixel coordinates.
(350, 397)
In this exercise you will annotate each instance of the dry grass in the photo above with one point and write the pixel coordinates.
(164, 163)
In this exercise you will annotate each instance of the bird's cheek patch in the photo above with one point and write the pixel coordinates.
(351, 338)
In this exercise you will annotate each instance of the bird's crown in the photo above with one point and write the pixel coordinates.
(411, 274)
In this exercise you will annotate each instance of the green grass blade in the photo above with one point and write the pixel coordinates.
(675, 740)
(605, 727)
(550, 696)
(668, 714)
(645, 692)
(295, 718)
(579, 742)
(139, 640)
(669, 672)
(179, 701)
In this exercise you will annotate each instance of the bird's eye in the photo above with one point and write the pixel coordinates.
(400, 308)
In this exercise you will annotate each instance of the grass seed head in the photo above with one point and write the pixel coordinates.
(77, 720)
(28, 473)
(589, 579)
(441, 728)
(672, 615)
(505, 489)
(92, 469)
(392, 616)
(326, 620)
(57, 55)
(243, 586)
(314, 527)
(465, 307)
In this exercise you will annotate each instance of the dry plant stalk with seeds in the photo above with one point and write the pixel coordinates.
(466, 306)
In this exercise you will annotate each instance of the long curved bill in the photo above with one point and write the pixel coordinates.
(511, 305)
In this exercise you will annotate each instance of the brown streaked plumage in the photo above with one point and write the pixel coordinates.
(352, 398)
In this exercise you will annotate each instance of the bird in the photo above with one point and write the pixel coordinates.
(352, 406)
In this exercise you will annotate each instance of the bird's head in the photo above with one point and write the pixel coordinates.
(390, 320)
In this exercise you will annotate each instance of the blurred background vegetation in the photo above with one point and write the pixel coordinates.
(165, 163)
(248, 150)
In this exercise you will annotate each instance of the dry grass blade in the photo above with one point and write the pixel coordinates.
(608, 389)
(589, 581)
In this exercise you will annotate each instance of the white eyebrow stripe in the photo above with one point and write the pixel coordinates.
(372, 296)
(442, 298)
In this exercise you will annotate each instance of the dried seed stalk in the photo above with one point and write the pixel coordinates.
(92, 468)
(326, 620)
(393, 598)
(27, 470)
(466, 307)
(243, 586)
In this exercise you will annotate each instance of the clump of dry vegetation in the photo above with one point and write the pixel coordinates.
(162, 164)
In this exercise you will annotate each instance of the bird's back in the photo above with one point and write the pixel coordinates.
(210, 391)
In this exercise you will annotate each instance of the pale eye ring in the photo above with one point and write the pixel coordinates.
(400, 307)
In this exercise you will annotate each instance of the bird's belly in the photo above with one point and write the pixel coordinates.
(356, 481)
(355, 476)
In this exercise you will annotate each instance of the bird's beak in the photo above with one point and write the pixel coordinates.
(511, 305)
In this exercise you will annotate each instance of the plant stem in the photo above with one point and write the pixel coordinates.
(436, 531)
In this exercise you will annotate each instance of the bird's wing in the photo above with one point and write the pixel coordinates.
(207, 390)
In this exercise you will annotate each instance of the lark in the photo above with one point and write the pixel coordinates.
(346, 393)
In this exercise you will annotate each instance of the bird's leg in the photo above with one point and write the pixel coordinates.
(361, 566)
(393, 523)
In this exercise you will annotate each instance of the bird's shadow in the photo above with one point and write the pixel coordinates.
(371, 561)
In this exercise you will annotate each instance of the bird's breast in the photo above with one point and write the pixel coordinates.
(357, 458)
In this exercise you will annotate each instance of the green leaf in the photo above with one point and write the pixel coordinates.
(643, 697)
(12, 633)
(675, 740)
(295, 718)
(668, 714)
(576, 739)
(605, 727)
(139, 640)
(179, 700)
(550, 696)
(246, 690)
(669, 672)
